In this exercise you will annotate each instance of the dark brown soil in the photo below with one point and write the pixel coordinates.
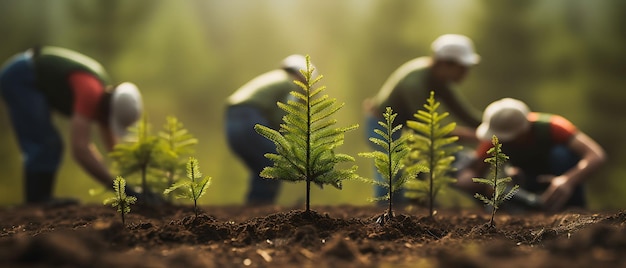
(330, 236)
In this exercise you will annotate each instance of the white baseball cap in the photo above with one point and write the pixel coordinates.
(126, 108)
(505, 118)
(456, 47)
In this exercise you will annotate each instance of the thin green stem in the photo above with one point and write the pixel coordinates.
(389, 142)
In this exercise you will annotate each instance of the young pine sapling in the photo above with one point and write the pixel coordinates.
(433, 147)
(120, 201)
(194, 187)
(137, 156)
(306, 141)
(157, 159)
(179, 143)
(498, 185)
(390, 161)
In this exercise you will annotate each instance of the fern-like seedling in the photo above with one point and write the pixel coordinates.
(194, 187)
(432, 147)
(137, 156)
(179, 143)
(306, 141)
(498, 185)
(390, 160)
(120, 201)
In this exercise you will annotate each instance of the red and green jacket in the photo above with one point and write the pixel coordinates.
(531, 152)
(71, 82)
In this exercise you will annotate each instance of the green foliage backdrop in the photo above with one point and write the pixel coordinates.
(561, 56)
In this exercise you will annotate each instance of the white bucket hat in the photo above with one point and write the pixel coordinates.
(505, 118)
(458, 48)
(126, 108)
(296, 62)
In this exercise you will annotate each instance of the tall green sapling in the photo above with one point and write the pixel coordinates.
(498, 185)
(433, 147)
(194, 187)
(120, 201)
(306, 141)
(390, 161)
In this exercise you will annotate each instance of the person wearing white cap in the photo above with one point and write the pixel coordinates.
(255, 103)
(548, 156)
(41, 80)
(408, 88)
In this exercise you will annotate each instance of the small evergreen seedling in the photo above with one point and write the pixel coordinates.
(434, 148)
(498, 185)
(390, 161)
(306, 141)
(137, 156)
(179, 142)
(120, 201)
(194, 187)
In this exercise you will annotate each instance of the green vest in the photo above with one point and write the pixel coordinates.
(263, 92)
(53, 65)
(407, 89)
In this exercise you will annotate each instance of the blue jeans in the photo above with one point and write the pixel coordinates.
(561, 160)
(30, 116)
(251, 148)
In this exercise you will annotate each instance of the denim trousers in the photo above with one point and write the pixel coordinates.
(251, 148)
(561, 160)
(30, 115)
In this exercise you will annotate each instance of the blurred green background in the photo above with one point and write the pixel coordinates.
(560, 56)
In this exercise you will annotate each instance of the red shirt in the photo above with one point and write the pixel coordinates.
(561, 131)
(88, 92)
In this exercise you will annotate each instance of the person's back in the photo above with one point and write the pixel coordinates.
(53, 67)
(408, 88)
(263, 92)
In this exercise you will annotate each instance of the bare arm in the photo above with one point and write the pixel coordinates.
(562, 187)
(85, 152)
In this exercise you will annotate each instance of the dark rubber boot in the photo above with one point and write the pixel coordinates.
(38, 187)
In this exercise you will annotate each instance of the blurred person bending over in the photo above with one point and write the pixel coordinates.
(548, 156)
(255, 103)
(408, 88)
(41, 80)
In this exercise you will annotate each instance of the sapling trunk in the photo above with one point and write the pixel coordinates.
(119, 195)
(308, 154)
(431, 180)
(308, 195)
(390, 166)
(496, 174)
(390, 212)
(144, 180)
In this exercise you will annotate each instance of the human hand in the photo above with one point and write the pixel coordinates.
(558, 193)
